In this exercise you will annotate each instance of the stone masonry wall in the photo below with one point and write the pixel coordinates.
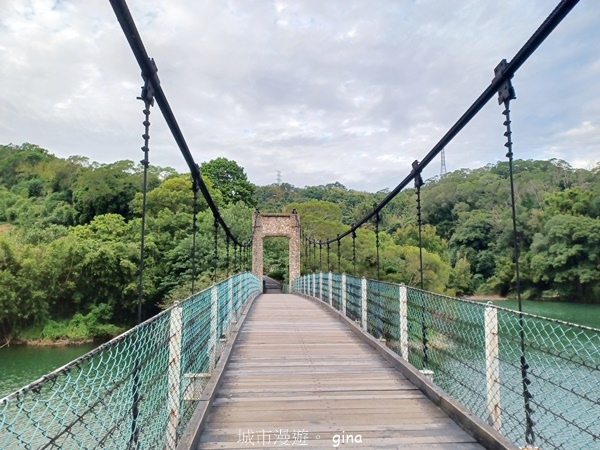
(276, 225)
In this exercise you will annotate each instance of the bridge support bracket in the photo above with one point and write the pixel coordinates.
(427, 374)
(194, 385)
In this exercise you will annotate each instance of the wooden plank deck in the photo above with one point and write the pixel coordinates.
(298, 377)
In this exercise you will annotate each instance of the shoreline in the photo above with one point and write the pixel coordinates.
(481, 298)
(46, 342)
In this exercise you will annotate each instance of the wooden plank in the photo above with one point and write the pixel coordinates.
(230, 392)
(338, 417)
(348, 403)
(355, 394)
(295, 367)
(392, 443)
(434, 426)
(230, 434)
(387, 396)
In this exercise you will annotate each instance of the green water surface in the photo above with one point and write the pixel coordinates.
(578, 313)
(22, 364)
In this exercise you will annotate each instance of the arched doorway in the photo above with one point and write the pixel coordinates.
(274, 225)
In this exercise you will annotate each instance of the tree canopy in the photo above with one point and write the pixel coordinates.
(70, 233)
(230, 179)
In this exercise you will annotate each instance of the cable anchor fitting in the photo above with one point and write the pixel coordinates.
(506, 91)
(147, 95)
(417, 172)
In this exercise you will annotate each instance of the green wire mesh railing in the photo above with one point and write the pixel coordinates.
(473, 351)
(353, 302)
(325, 295)
(138, 390)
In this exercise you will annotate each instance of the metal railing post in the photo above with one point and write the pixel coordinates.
(214, 311)
(321, 285)
(174, 376)
(314, 284)
(363, 316)
(344, 296)
(229, 305)
(492, 367)
(330, 288)
(240, 297)
(403, 322)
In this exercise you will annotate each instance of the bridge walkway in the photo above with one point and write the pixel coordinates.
(299, 377)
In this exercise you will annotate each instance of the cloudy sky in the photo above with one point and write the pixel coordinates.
(322, 90)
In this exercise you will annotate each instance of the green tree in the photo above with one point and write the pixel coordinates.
(107, 188)
(402, 265)
(575, 202)
(409, 235)
(17, 162)
(22, 299)
(229, 178)
(566, 257)
(459, 279)
(475, 238)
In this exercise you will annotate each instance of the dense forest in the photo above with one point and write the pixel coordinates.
(70, 233)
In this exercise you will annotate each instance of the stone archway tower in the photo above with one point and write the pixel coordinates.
(276, 225)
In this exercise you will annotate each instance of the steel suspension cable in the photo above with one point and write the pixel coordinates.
(354, 252)
(418, 184)
(147, 96)
(306, 253)
(216, 253)
(339, 254)
(194, 232)
(235, 267)
(249, 260)
(150, 76)
(245, 259)
(506, 93)
(320, 257)
(544, 30)
(377, 243)
(148, 99)
(227, 256)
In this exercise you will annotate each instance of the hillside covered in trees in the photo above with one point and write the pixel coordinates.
(70, 240)
(70, 233)
(467, 232)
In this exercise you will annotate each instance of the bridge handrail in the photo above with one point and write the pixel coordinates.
(472, 351)
(138, 390)
(498, 307)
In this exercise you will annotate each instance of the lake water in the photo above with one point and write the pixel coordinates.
(21, 364)
(579, 313)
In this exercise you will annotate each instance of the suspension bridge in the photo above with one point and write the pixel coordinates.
(334, 360)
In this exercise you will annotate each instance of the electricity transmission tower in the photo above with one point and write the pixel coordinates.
(443, 158)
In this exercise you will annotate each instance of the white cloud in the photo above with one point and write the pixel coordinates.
(585, 130)
(346, 90)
